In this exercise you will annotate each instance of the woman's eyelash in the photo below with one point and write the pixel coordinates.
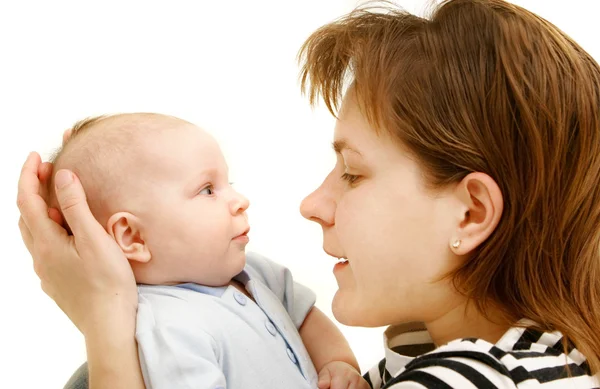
(351, 178)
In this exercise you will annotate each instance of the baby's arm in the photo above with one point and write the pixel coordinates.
(324, 341)
(330, 353)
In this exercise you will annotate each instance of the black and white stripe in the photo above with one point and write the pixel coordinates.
(523, 358)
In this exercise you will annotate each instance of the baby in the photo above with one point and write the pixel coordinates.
(209, 315)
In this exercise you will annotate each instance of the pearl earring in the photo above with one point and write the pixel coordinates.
(456, 244)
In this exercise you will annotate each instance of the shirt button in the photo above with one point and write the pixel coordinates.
(270, 327)
(240, 298)
(290, 354)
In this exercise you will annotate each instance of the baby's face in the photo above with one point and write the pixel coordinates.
(193, 222)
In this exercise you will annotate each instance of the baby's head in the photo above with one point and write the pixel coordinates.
(159, 186)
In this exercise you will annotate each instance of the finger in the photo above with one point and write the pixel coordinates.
(339, 381)
(45, 172)
(66, 136)
(362, 384)
(29, 182)
(26, 235)
(355, 383)
(324, 379)
(75, 209)
(32, 206)
(56, 216)
(44, 175)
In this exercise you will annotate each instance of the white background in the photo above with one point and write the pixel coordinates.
(228, 66)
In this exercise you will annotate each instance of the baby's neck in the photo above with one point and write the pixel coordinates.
(239, 286)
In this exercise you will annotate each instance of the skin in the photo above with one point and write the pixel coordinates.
(376, 210)
(396, 234)
(188, 187)
(173, 213)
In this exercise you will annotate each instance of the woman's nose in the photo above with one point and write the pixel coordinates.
(320, 205)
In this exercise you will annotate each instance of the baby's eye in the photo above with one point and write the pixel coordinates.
(208, 190)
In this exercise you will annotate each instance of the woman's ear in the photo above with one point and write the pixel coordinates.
(125, 229)
(482, 206)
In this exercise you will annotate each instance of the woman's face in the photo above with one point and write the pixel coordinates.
(376, 212)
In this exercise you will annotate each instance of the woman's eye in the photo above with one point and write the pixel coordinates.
(208, 190)
(350, 178)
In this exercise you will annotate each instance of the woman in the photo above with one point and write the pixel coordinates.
(465, 197)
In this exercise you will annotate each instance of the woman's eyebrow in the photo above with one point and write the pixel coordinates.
(341, 145)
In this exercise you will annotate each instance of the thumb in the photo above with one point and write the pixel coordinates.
(74, 206)
(324, 379)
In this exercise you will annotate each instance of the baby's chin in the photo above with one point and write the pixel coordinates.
(233, 265)
(221, 280)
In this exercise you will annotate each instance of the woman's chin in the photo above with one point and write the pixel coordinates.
(344, 309)
(349, 310)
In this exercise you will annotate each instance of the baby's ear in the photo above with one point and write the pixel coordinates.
(125, 229)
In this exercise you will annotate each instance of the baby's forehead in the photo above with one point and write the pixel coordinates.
(133, 144)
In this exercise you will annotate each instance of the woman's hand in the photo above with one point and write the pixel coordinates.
(86, 273)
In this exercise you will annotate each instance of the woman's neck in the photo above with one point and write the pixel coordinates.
(465, 321)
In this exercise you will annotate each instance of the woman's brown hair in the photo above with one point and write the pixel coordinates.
(487, 86)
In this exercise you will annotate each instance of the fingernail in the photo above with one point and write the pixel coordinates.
(63, 178)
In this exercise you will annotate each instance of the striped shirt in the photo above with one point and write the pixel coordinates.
(523, 358)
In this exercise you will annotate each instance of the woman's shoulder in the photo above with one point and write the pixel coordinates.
(523, 357)
(465, 363)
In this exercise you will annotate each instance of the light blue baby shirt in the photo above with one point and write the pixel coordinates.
(194, 336)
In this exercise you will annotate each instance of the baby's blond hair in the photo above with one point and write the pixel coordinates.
(100, 150)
